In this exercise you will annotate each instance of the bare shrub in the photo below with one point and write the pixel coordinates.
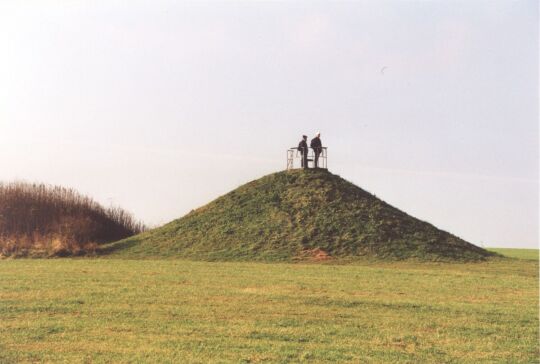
(56, 220)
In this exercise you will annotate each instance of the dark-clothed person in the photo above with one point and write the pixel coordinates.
(316, 145)
(303, 148)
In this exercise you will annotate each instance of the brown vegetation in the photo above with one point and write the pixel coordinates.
(38, 219)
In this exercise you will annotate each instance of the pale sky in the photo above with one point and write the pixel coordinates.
(161, 106)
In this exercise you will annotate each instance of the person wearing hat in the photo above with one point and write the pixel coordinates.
(316, 145)
(303, 148)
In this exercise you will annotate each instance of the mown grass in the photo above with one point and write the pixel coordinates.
(517, 253)
(97, 311)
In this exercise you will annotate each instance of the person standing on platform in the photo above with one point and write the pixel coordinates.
(316, 145)
(303, 148)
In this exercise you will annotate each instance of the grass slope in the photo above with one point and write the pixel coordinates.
(298, 215)
(174, 311)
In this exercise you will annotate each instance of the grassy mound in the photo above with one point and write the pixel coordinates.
(302, 215)
(42, 220)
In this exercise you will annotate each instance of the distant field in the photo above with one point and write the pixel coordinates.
(517, 253)
(97, 311)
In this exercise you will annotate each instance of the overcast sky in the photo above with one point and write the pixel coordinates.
(162, 106)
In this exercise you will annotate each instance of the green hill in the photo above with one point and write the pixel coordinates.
(298, 215)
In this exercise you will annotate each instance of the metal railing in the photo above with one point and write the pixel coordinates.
(293, 154)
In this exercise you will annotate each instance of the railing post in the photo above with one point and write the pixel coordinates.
(323, 158)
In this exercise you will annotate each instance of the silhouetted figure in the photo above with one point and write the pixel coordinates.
(317, 148)
(303, 148)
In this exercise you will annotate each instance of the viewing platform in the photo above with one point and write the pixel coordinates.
(294, 158)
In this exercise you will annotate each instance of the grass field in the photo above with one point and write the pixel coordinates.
(517, 253)
(94, 311)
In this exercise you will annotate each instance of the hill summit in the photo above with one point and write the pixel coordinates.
(298, 215)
